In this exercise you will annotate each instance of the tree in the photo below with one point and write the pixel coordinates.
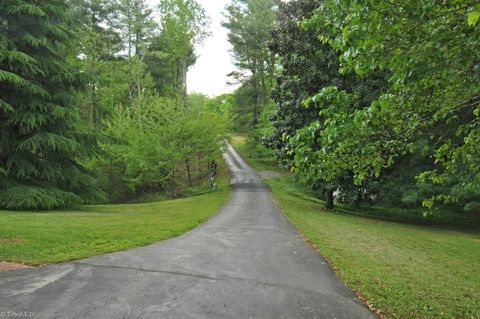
(430, 52)
(183, 26)
(138, 29)
(137, 25)
(163, 149)
(98, 44)
(307, 66)
(40, 143)
(113, 34)
(249, 23)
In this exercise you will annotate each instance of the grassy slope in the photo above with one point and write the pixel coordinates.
(50, 237)
(404, 271)
(261, 160)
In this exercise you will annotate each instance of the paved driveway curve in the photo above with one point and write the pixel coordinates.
(246, 262)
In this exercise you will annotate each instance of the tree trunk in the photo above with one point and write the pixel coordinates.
(175, 81)
(187, 165)
(184, 70)
(200, 172)
(173, 182)
(256, 111)
(91, 111)
(255, 73)
(93, 67)
(264, 87)
(137, 44)
(329, 198)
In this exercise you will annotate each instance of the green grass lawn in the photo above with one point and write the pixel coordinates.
(402, 270)
(258, 156)
(36, 238)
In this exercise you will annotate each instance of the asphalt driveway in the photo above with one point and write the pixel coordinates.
(246, 262)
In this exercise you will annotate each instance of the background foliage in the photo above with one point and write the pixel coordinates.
(376, 103)
(101, 113)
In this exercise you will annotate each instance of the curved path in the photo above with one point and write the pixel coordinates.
(246, 262)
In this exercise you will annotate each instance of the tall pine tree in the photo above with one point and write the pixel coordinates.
(40, 137)
(249, 23)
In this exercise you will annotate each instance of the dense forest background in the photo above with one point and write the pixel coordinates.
(368, 102)
(94, 105)
(371, 103)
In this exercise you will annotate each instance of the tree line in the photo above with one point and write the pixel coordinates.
(371, 102)
(94, 105)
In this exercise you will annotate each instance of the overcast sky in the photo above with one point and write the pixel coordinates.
(209, 74)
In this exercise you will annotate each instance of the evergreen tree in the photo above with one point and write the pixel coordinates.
(99, 43)
(249, 23)
(40, 140)
(184, 25)
(137, 25)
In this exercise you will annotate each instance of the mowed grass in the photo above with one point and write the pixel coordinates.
(258, 156)
(36, 238)
(403, 271)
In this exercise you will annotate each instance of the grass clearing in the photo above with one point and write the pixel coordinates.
(403, 271)
(36, 238)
